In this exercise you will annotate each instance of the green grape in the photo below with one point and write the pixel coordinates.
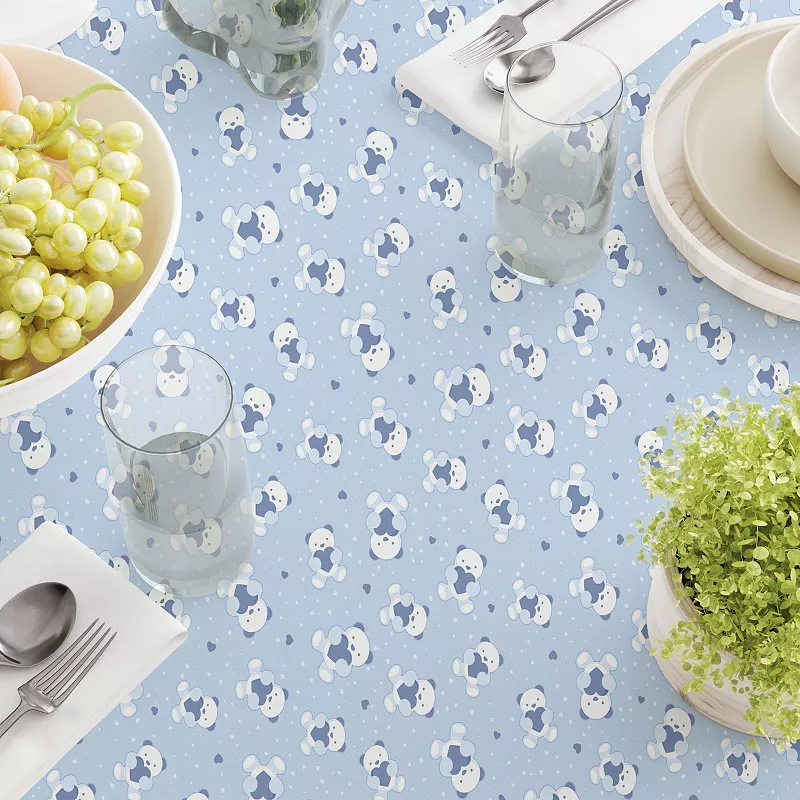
(15, 346)
(91, 128)
(84, 179)
(118, 217)
(136, 220)
(106, 190)
(43, 349)
(99, 301)
(52, 214)
(59, 112)
(39, 169)
(69, 196)
(34, 268)
(72, 263)
(14, 242)
(65, 332)
(38, 323)
(17, 216)
(75, 302)
(44, 246)
(117, 166)
(57, 284)
(70, 350)
(16, 131)
(5, 290)
(8, 160)
(31, 192)
(101, 255)
(91, 215)
(26, 105)
(59, 149)
(16, 370)
(10, 323)
(7, 264)
(51, 307)
(88, 327)
(137, 166)
(83, 153)
(129, 268)
(25, 295)
(69, 239)
(42, 116)
(82, 279)
(135, 192)
(124, 136)
(27, 157)
(4, 115)
(7, 179)
(127, 239)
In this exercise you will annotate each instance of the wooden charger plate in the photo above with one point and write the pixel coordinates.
(685, 224)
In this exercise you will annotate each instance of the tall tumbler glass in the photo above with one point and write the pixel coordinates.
(553, 176)
(177, 478)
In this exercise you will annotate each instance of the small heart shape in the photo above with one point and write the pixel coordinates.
(198, 216)
(456, 130)
(487, 329)
(491, 608)
(342, 121)
(289, 638)
(576, 747)
(485, 444)
(699, 766)
(275, 281)
(615, 475)
(497, 734)
(279, 446)
(463, 238)
(211, 647)
(195, 151)
(72, 477)
(284, 574)
(152, 425)
(640, 699)
(342, 495)
(553, 655)
(277, 167)
(367, 588)
(411, 380)
(620, 538)
(670, 398)
(365, 704)
(154, 711)
(662, 290)
(150, 542)
(220, 377)
(432, 539)
(610, 351)
(335, 385)
(545, 546)
(401, 189)
(68, 411)
(218, 759)
(396, 27)
(129, 332)
(407, 315)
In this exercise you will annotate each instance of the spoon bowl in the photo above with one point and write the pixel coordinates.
(539, 64)
(35, 623)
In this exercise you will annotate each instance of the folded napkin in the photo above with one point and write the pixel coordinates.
(146, 635)
(629, 37)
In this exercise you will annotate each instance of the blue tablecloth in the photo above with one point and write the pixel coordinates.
(497, 688)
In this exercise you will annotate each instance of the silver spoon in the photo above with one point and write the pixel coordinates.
(541, 62)
(35, 623)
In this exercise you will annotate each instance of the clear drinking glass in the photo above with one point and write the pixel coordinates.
(553, 177)
(178, 479)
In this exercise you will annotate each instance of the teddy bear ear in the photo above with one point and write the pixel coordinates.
(636, 440)
(147, 742)
(239, 106)
(460, 548)
(360, 626)
(482, 774)
(603, 382)
(484, 639)
(371, 129)
(328, 527)
(578, 292)
(539, 687)
(483, 560)
(380, 743)
(394, 221)
(341, 719)
(691, 718)
(483, 497)
(501, 482)
(669, 707)
(247, 388)
(550, 598)
(582, 714)
(450, 270)
(217, 115)
(290, 320)
(602, 303)
(480, 367)
(361, 760)
(429, 279)
(617, 228)
(308, 536)
(270, 204)
(394, 142)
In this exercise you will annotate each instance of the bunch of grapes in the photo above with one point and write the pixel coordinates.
(68, 231)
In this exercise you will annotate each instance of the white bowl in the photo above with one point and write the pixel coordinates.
(782, 104)
(51, 76)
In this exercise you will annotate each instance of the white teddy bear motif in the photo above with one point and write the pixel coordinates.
(503, 511)
(251, 228)
(738, 763)
(439, 188)
(477, 666)
(638, 96)
(620, 256)
(68, 788)
(382, 777)
(243, 600)
(196, 533)
(446, 299)
(367, 339)
(26, 437)
(261, 691)
(613, 773)
(323, 735)
(463, 391)
(250, 417)
(318, 445)
(40, 513)
(126, 490)
(580, 322)
(547, 792)
(106, 381)
(162, 596)
(509, 179)
(410, 694)
(593, 590)
(411, 103)
(650, 445)
(195, 708)
(173, 360)
(230, 24)
(537, 718)
(670, 737)
(180, 273)
(232, 311)
(641, 641)
(292, 350)
(529, 434)
(387, 246)
(504, 264)
(235, 136)
(596, 684)
(595, 407)
(710, 335)
(325, 560)
(384, 429)
(647, 350)
(461, 579)
(563, 216)
(523, 355)
(263, 781)
(738, 13)
(403, 613)
(444, 473)
(140, 769)
(439, 19)
(386, 524)
(296, 116)
(127, 705)
(372, 161)
(313, 193)
(576, 500)
(634, 186)
(530, 605)
(457, 761)
(265, 505)
(769, 377)
(342, 650)
(103, 30)
(355, 55)
(152, 8)
(581, 138)
(319, 272)
(175, 81)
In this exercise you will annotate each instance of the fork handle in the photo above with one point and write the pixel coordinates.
(600, 14)
(526, 12)
(18, 713)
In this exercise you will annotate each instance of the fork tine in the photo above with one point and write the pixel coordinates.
(67, 654)
(60, 679)
(490, 51)
(45, 686)
(469, 45)
(67, 690)
(468, 50)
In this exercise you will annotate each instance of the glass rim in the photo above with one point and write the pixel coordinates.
(559, 43)
(206, 437)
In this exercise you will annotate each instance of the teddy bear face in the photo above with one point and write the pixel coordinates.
(470, 561)
(381, 143)
(453, 193)
(269, 224)
(152, 759)
(277, 493)
(231, 117)
(374, 757)
(749, 770)
(336, 735)
(172, 384)
(285, 333)
(495, 495)
(385, 546)
(417, 620)
(332, 451)
(586, 517)
(369, 56)
(377, 357)
(397, 441)
(543, 610)
(536, 362)
(490, 655)
(202, 459)
(650, 442)
(327, 200)
(208, 713)
(506, 287)
(545, 438)
(243, 30)
(606, 600)
(589, 305)
(183, 279)
(612, 241)
(255, 618)
(723, 345)
(780, 379)
(426, 697)
(660, 354)
(679, 720)
(517, 185)
(258, 399)
(480, 386)
(320, 539)
(188, 72)
(467, 778)
(566, 793)
(531, 699)
(212, 537)
(358, 644)
(295, 126)
(274, 703)
(442, 280)
(38, 454)
(399, 235)
(458, 473)
(595, 706)
(115, 35)
(608, 397)
(334, 276)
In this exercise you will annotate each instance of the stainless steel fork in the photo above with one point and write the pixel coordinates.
(46, 691)
(506, 32)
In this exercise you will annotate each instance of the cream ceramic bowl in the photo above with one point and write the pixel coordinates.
(782, 104)
(52, 76)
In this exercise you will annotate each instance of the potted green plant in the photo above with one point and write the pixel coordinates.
(724, 607)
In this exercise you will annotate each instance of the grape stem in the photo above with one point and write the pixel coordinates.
(71, 119)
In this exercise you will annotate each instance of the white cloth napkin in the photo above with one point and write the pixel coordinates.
(146, 635)
(629, 37)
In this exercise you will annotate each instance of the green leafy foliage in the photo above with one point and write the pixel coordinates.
(729, 534)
